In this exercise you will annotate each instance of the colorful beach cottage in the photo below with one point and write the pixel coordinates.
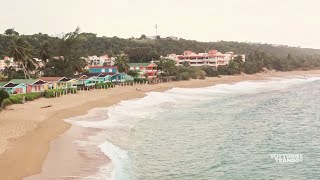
(13, 88)
(52, 82)
(59, 82)
(32, 85)
(85, 80)
(105, 77)
(121, 77)
(67, 83)
(149, 70)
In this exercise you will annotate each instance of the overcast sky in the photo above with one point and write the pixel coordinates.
(291, 22)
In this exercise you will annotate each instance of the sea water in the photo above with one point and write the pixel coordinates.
(245, 130)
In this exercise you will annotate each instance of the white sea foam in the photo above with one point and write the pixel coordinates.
(122, 117)
(119, 160)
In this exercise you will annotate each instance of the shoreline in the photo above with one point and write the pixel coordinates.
(27, 131)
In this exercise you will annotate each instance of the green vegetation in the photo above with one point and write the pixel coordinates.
(18, 98)
(21, 51)
(11, 32)
(58, 92)
(6, 102)
(167, 66)
(122, 62)
(74, 45)
(133, 73)
(68, 56)
(32, 96)
(3, 95)
(104, 85)
(140, 80)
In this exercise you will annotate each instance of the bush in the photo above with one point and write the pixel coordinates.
(16, 99)
(3, 95)
(184, 76)
(53, 92)
(56, 92)
(32, 96)
(72, 90)
(202, 76)
(104, 85)
(49, 93)
(210, 72)
(140, 80)
(194, 75)
(6, 102)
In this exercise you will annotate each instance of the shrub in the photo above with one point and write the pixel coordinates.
(32, 96)
(140, 80)
(202, 76)
(6, 102)
(16, 99)
(104, 85)
(48, 93)
(210, 72)
(184, 76)
(194, 75)
(53, 92)
(72, 90)
(110, 84)
(3, 95)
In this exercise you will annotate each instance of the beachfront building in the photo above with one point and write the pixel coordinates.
(121, 77)
(53, 82)
(149, 70)
(7, 62)
(32, 85)
(59, 82)
(105, 77)
(103, 69)
(85, 80)
(213, 58)
(67, 83)
(104, 60)
(13, 88)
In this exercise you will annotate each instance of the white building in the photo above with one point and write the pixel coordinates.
(173, 38)
(39, 62)
(100, 60)
(213, 58)
(7, 62)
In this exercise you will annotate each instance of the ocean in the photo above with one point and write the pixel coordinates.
(265, 129)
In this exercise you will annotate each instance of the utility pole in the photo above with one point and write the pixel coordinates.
(156, 29)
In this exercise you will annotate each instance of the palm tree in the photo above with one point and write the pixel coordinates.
(122, 63)
(21, 52)
(44, 53)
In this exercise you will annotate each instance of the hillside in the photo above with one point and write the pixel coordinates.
(145, 49)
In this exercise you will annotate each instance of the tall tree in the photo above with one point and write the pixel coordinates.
(122, 63)
(168, 67)
(11, 32)
(43, 51)
(21, 52)
(69, 61)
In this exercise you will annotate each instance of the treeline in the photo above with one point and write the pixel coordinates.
(144, 50)
(74, 45)
(258, 61)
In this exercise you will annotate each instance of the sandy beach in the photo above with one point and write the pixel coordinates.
(27, 130)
